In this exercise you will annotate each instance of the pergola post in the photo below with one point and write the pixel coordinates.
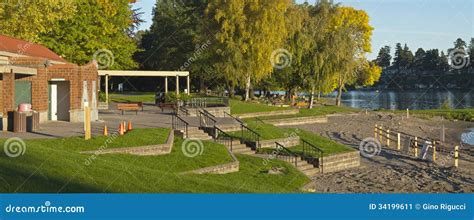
(187, 83)
(177, 85)
(166, 84)
(107, 89)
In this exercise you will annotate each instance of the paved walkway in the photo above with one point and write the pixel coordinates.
(150, 117)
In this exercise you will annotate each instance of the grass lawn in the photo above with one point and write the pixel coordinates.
(458, 114)
(316, 111)
(240, 107)
(132, 97)
(136, 137)
(328, 146)
(266, 131)
(52, 166)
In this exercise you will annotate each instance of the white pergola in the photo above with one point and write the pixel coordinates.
(166, 74)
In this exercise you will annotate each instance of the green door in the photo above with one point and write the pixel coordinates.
(22, 92)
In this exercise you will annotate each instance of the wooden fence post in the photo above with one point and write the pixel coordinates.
(388, 138)
(375, 131)
(408, 113)
(381, 134)
(456, 156)
(416, 146)
(398, 141)
(434, 151)
(87, 122)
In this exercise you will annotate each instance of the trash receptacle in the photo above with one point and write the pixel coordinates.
(19, 122)
(32, 121)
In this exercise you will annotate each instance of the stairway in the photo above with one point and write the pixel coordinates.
(308, 169)
(229, 127)
(196, 133)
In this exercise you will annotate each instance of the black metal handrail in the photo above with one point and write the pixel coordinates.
(250, 137)
(309, 152)
(181, 110)
(235, 118)
(285, 154)
(205, 118)
(179, 124)
(222, 137)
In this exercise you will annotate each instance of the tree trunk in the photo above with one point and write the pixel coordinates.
(311, 98)
(339, 95)
(247, 89)
(202, 86)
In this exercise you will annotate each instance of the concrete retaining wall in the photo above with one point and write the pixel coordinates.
(341, 161)
(158, 149)
(271, 113)
(219, 169)
(287, 142)
(297, 120)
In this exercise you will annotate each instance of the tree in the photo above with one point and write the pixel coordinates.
(384, 58)
(419, 59)
(97, 29)
(247, 32)
(443, 63)
(27, 20)
(471, 52)
(407, 57)
(399, 56)
(352, 34)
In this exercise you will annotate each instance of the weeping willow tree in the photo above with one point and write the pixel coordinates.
(247, 32)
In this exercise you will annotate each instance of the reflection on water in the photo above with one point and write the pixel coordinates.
(468, 137)
(426, 99)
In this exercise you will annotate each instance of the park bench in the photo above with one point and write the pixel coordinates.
(128, 107)
(166, 105)
(140, 104)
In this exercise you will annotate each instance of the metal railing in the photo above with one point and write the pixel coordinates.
(250, 137)
(235, 118)
(179, 124)
(286, 155)
(207, 122)
(181, 110)
(205, 102)
(312, 154)
(222, 137)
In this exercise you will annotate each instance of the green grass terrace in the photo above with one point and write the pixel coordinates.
(56, 165)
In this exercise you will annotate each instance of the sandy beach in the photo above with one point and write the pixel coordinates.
(393, 171)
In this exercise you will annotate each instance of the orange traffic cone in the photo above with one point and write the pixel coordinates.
(121, 129)
(106, 131)
(130, 125)
(124, 127)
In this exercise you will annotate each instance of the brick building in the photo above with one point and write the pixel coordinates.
(31, 73)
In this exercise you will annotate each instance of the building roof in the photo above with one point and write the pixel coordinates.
(21, 47)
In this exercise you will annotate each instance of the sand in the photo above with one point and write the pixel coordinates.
(393, 171)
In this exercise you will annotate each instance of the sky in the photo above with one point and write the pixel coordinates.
(427, 24)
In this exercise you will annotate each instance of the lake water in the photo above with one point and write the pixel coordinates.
(468, 137)
(422, 99)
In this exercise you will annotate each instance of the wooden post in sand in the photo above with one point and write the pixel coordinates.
(398, 141)
(416, 147)
(388, 138)
(375, 131)
(434, 151)
(408, 114)
(381, 134)
(456, 156)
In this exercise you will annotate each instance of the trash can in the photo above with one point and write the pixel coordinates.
(19, 122)
(32, 121)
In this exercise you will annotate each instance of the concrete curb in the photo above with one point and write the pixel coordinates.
(159, 149)
(297, 120)
(270, 113)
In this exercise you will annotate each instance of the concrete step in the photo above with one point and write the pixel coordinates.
(305, 166)
(311, 172)
(239, 146)
(247, 151)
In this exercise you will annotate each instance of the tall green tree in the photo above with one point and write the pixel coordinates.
(419, 59)
(384, 58)
(99, 29)
(471, 52)
(27, 20)
(399, 56)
